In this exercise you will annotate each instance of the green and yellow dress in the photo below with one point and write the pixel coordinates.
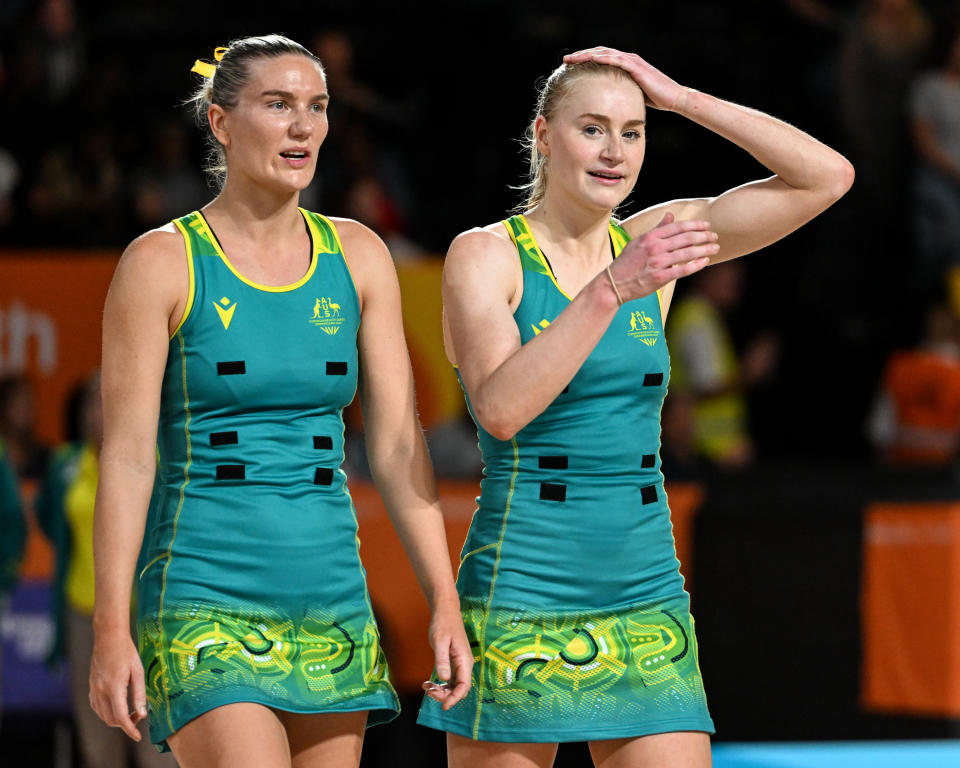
(253, 590)
(569, 581)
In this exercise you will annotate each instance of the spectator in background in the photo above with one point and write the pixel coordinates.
(705, 366)
(13, 532)
(26, 453)
(916, 419)
(366, 133)
(935, 127)
(679, 460)
(60, 45)
(885, 43)
(9, 178)
(65, 513)
(368, 202)
(169, 184)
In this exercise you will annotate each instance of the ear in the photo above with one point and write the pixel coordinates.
(541, 135)
(217, 117)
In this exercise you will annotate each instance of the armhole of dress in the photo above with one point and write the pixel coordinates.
(191, 290)
(523, 273)
(343, 256)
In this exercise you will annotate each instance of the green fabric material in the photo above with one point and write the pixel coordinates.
(12, 526)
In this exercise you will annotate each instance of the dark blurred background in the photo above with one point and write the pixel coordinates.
(839, 345)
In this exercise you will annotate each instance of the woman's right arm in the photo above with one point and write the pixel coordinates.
(148, 288)
(509, 383)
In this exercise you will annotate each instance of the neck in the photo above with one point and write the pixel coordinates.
(580, 232)
(255, 212)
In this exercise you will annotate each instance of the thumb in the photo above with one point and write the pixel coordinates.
(442, 660)
(138, 693)
(667, 219)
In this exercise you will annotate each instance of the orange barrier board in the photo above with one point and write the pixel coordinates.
(910, 609)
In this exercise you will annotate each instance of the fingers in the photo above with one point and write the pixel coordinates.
(591, 53)
(667, 219)
(114, 673)
(138, 695)
(442, 660)
(687, 239)
(463, 665)
(456, 685)
(119, 714)
(685, 268)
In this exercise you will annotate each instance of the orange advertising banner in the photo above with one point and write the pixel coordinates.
(910, 609)
(51, 304)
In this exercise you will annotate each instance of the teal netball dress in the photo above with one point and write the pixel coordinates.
(569, 581)
(253, 589)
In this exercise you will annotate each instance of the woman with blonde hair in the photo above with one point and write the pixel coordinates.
(569, 580)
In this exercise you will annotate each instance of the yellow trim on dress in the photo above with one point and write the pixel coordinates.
(191, 291)
(336, 237)
(493, 582)
(615, 236)
(208, 233)
(541, 257)
(176, 519)
(476, 551)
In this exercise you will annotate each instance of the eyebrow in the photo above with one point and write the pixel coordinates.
(291, 97)
(605, 119)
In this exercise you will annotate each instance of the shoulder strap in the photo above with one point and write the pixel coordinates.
(531, 259)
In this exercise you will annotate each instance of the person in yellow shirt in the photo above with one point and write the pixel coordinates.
(705, 366)
(65, 513)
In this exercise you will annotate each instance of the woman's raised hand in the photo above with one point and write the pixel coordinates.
(670, 250)
(661, 91)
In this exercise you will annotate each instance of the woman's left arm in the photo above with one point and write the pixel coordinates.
(398, 456)
(809, 175)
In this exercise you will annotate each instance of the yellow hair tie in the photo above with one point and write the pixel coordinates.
(208, 70)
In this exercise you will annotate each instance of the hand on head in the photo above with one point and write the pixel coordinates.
(661, 91)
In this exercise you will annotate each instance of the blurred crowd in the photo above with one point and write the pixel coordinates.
(94, 151)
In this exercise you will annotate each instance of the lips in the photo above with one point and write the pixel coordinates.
(296, 158)
(606, 175)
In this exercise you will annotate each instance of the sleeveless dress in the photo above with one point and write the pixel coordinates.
(570, 587)
(253, 590)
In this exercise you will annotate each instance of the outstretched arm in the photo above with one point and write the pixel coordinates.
(398, 455)
(809, 176)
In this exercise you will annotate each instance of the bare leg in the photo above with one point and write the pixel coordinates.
(467, 753)
(681, 749)
(331, 740)
(231, 735)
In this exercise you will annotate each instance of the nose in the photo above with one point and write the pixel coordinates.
(613, 148)
(301, 126)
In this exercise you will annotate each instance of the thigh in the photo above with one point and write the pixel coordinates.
(680, 749)
(331, 739)
(231, 735)
(467, 753)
